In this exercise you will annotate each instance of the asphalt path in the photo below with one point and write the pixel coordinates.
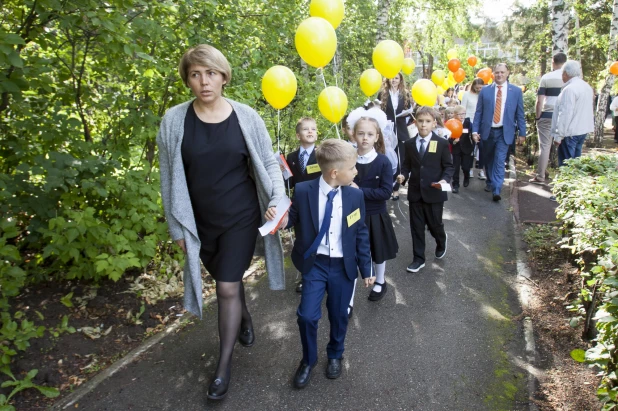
(444, 338)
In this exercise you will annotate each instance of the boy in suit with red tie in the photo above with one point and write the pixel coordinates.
(428, 163)
(332, 245)
(302, 161)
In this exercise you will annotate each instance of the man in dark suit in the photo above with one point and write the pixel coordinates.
(302, 161)
(428, 164)
(499, 112)
(331, 246)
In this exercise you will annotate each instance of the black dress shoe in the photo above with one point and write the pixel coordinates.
(246, 338)
(303, 375)
(487, 188)
(441, 251)
(466, 182)
(333, 370)
(299, 287)
(415, 267)
(375, 296)
(217, 390)
(497, 197)
(455, 190)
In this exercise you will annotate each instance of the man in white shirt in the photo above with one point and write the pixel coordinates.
(549, 90)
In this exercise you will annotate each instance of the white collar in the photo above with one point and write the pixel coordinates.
(325, 187)
(367, 158)
(427, 138)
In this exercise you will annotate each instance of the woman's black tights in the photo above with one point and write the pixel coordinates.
(233, 314)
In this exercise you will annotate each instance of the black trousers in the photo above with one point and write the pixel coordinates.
(426, 214)
(463, 161)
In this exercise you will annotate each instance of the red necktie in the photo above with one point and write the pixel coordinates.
(498, 108)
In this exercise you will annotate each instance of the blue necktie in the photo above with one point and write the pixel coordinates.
(421, 151)
(328, 210)
(303, 161)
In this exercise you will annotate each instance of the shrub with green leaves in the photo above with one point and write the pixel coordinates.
(586, 189)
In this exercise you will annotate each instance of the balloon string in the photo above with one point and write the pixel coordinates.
(279, 131)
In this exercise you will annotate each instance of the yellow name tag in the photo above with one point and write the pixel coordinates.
(313, 168)
(433, 146)
(353, 217)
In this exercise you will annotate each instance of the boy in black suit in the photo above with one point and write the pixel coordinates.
(428, 163)
(331, 247)
(463, 147)
(302, 161)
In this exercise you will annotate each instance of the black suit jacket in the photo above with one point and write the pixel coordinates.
(294, 163)
(432, 168)
(466, 144)
(402, 126)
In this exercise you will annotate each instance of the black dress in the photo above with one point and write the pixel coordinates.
(223, 194)
(382, 238)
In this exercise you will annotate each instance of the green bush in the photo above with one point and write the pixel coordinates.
(586, 189)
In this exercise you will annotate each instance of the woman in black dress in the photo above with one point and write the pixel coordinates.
(225, 151)
(395, 98)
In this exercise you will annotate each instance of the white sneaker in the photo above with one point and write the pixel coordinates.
(482, 175)
(471, 173)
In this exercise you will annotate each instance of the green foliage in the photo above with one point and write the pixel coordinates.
(586, 190)
(20, 385)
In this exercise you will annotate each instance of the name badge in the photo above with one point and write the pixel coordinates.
(353, 217)
(433, 146)
(313, 168)
(465, 130)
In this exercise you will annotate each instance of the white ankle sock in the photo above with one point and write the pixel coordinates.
(352, 299)
(380, 269)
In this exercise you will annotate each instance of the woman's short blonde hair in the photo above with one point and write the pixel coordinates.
(206, 56)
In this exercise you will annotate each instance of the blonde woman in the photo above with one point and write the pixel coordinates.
(219, 182)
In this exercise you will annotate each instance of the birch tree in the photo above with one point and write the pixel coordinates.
(559, 27)
(383, 8)
(601, 111)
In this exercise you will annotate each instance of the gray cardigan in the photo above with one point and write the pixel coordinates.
(264, 170)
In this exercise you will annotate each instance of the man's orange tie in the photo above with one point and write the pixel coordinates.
(498, 109)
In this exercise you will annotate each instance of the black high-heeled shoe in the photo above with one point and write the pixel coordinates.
(217, 390)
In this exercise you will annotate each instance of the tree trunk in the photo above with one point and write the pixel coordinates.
(609, 79)
(543, 47)
(559, 27)
(383, 8)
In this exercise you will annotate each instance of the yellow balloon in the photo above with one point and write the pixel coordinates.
(333, 103)
(279, 86)
(440, 90)
(330, 10)
(408, 66)
(490, 81)
(451, 80)
(370, 82)
(388, 58)
(445, 84)
(441, 99)
(424, 92)
(316, 41)
(451, 54)
(460, 95)
(438, 77)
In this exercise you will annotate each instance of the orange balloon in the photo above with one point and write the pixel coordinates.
(472, 60)
(459, 75)
(453, 65)
(485, 75)
(614, 68)
(455, 126)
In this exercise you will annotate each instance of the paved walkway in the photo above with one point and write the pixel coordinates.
(441, 339)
